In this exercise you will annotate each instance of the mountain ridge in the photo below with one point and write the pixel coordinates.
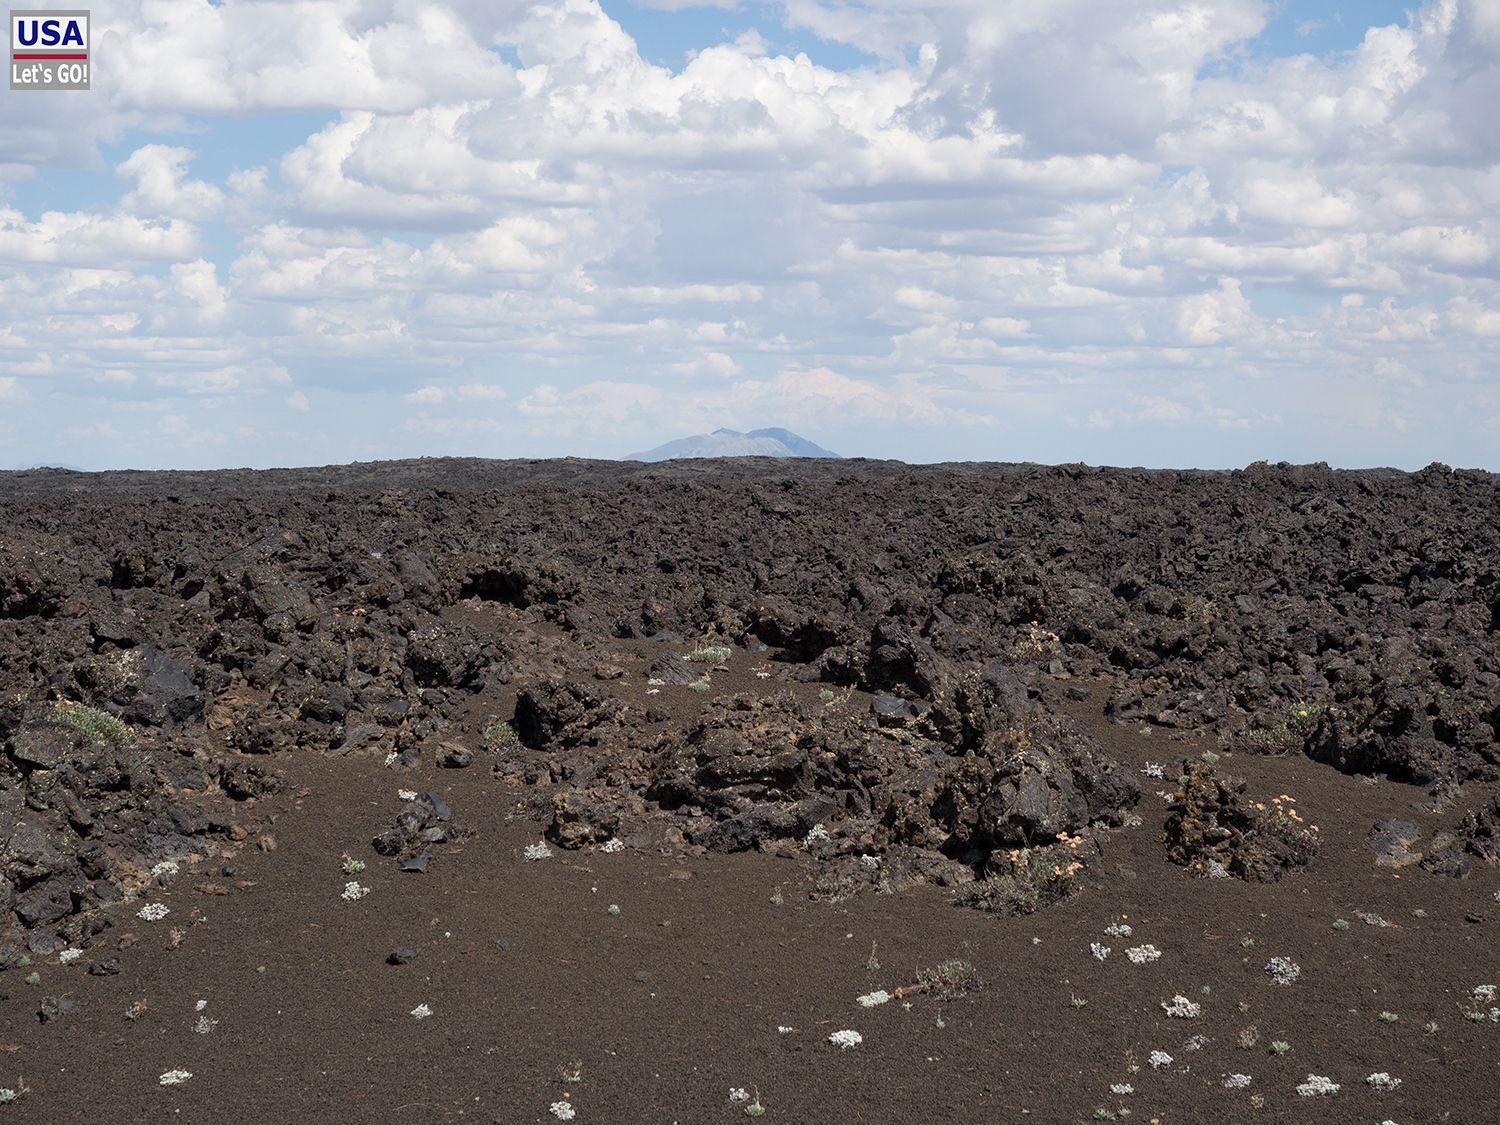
(770, 441)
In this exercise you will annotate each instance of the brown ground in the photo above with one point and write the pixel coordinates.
(660, 1010)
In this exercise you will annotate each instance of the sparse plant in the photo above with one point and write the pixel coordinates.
(1340, 924)
(1180, 1007)
(755, 1109)
(817, 834)
(827, 695)
(699, 686)
(1248, 1037)
(1280, 1046)
(1431, 1027)
(1289, 733)
(1389, 1017)
(136, 1010)
(1283, 970)
(710, 654)
(499, 735)
(33, 978)
(872, 965)
(1037, 876)
(1318, 1085)
(92, 723)
(946, 980)
(1079, 1002)
(351, 866)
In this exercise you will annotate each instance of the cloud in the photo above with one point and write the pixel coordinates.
(162, 187)
(713, 364)
(84, 239)
(468, 392)
(1012, 212)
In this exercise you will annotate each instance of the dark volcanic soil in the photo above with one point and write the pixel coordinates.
(814, 729)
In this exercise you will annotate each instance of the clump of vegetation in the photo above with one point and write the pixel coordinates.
(92, 723)
(352, 866)
(1289, 733)
(710, 654)
(1214, 828)
(499, 735)
(946, 980)
(1035, 877)
(700, 686)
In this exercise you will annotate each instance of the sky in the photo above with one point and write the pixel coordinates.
(1131, 232)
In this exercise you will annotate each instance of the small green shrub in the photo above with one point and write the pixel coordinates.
(700, 686)
(948, 979)
(1037, 877)
(92, 723)
(710, 654)
(499, 735)
(1289, 733)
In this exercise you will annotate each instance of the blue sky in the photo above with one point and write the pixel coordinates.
(1158, 232)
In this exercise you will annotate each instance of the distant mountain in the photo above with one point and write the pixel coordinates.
(773, 442)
